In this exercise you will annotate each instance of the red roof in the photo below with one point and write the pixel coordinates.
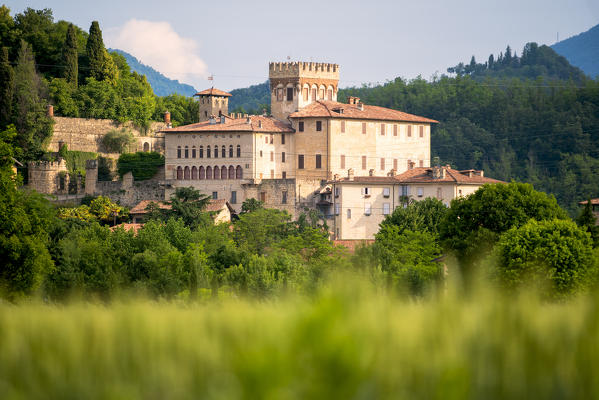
(258, 123)
(352, 111)
(594, 202)
(425, 175)
(128, 227)
(213, 92)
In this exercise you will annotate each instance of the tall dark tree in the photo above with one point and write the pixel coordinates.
(70, 57)
(95, 51)
(29, 107)
(587, 220)
(6, 88)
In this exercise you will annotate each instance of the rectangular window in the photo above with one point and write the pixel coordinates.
(337, 208)
(300, 126)
(178, 152)
(337, 191)
(283, 197)
(409, 130)
(272, 139)
(215, 195)
(233, 197)
(349, 213)
(318, 126)
(382, 129)
(300, 161)
(342, 161)
(272, 156)
(364, 128)
(263, 197)
(265, 139)
(283, 157)
(405, 190)
(318, 161)
(382, 164)
(395, 164)
(395, 130)
(386, 192)
(342, 126)
(193, 152)
(283, 139)
(439, 193)
(421, 131)
(367, 209)
(279, 94)
(420, 192)
(386, 208)
(366, 192)
(284, 176)
(290, 94)
(363, 162)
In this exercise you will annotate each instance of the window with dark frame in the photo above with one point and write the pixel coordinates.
(283, 157)
(178, 151)
(186, 152)
(289, 94)
(283, 138)
(300, 161)
(214, 195)
(318, 126)
(318, 161)
(233, 197)
(283, 197)
(300, 126)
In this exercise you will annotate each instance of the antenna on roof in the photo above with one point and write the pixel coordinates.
(211, 78)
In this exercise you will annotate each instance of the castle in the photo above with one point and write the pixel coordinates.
(295, 158)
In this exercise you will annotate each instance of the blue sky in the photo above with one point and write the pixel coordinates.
(373, 41)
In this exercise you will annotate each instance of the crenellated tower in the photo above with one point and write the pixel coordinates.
(212, 102)
(294, 85)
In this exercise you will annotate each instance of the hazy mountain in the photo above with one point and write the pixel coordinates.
(161, 85)
(582, 51)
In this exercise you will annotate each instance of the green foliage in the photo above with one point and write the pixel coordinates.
(418, 216)
(250, 100)
(95, 52)
(251, 205)
(187, 204)
(70, 56)
(6, 88)
(258, 230)
(143, 165)
(117, 141)
(184, 110)
(62, 93)
(587, 221)
(556, 255)
(76, 160)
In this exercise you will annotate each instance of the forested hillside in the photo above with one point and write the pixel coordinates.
(161, 85)
(251, 100)
(582, 50)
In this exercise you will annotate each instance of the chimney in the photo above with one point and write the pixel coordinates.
(264, 114)
(212, 120)
(50, 110)
(222, 119)
(350, 174)
(336, 177)
(167, 118)
(371, 172)
(248, 120)
(361, 106)
(393, 172)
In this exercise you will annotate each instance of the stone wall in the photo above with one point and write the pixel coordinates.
(271, 192)
(86, 135)
(49, 177)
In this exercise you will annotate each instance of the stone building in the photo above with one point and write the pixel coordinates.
(212, 102)
(287, 158)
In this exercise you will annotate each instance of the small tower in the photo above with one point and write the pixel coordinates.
(212, 102)
(294, 85)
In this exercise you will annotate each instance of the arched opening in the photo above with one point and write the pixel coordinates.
(208, 172)
(231, 172)
(238, 151)
(179, 173)
(146, 147)
(186, 173)
(215, 151)
(194, 173)
(202, 173)
(330, 94)
(201, 151)
(238, 172)
(208, 155)
(231, 151)
(193, 152)
(186, 151)
(223, 172)
(178, 151)
(223, 152)
(216, 173)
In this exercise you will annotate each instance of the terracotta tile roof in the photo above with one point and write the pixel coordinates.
(134, 227)
(140, 208)
(352, 111)
(424, 175)
(258, 123)
(593, 202)
(213, 92)
(216, 205)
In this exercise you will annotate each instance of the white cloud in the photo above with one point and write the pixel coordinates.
(158, 45)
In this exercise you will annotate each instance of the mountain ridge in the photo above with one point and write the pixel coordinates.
(582, 50)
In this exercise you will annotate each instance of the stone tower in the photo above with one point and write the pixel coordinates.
(212, 102)
(294, 85)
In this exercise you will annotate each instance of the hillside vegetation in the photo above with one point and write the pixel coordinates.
(582, 50)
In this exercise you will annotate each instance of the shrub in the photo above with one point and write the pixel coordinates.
(116, 141)
(143, 165)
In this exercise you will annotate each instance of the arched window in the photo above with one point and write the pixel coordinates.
(179, 173)
(208, 172)
(238, 151)
(238, 172)
(178, 151)
(208, 155)
(231, 151)
(314, 93)
(202, 173)
(194, 173)
(330, 95)
(201, 151)
(216, 173)
(215, 151)
(186, 173)
(231, 172)
(146, 146)
(321, 93)
(186, 152)
(223, 172)
(223, 152)
(193, 152)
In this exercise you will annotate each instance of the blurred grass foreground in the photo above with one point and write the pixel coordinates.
(346, 342)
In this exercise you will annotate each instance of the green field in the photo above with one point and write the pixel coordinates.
(347, 341)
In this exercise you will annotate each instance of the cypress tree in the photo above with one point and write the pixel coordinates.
(70, 57)
(6, 88)
(95, 51)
